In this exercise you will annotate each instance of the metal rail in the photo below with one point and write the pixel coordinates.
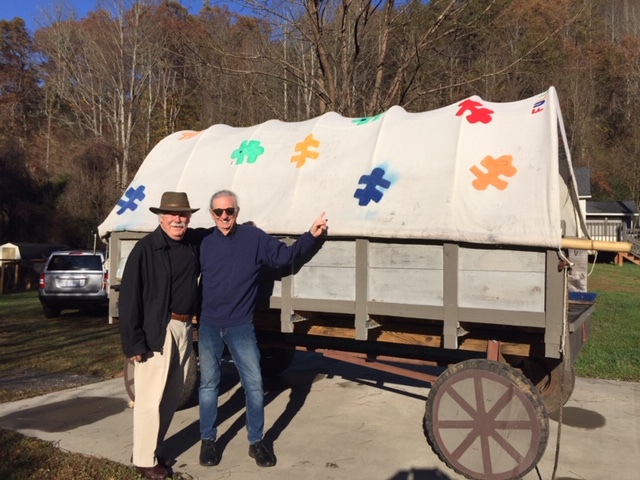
(635, 246)
(633, 237)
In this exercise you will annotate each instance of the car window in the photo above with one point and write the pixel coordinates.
(75, 262)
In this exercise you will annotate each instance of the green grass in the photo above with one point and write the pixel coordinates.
(73, 344)
(613, 348)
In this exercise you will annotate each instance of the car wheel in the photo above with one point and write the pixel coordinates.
(50, 312)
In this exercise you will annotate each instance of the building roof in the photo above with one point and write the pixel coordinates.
(620, 208)
(583, 181)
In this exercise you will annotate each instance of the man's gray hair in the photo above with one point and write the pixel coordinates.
(225, 193)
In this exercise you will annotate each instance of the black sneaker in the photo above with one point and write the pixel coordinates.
(208, 455)
(262, 456)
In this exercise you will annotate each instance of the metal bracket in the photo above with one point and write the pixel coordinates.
(371, 324)
(296, 317)
(493, 350)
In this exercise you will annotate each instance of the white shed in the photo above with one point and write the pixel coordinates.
(28, 251)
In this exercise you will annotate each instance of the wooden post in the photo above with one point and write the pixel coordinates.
(450, 277)
(555, 311)
(2, 278)
(362, 288)
(286, 288)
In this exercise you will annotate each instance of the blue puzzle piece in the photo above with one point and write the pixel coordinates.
(128, 201)
(370, 191)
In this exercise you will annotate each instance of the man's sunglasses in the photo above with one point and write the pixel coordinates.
(229, 211)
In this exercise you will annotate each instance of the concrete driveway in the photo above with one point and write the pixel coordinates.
(332, 420)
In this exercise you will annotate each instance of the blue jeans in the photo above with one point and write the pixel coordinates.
(243, 346)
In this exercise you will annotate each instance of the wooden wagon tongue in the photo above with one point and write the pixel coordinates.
(599, 245)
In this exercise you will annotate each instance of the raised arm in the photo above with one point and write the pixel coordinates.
(319, 226)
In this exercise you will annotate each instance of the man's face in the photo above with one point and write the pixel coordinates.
(175, 224)
(224, 212)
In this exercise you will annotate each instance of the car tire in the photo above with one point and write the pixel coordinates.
(50, 312)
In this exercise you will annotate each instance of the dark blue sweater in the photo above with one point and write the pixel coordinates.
(230, 267)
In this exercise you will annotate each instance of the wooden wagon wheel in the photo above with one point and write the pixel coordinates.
(187, 390)
(553, 379)
(129, 383)
(486, 420)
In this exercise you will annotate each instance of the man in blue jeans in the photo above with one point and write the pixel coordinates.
(230, 259)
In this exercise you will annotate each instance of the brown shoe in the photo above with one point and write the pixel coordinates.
(153, 473)
(165, 462)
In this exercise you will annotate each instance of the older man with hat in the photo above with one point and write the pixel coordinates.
(158, 298)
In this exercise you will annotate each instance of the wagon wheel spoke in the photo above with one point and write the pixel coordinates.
(507, 447)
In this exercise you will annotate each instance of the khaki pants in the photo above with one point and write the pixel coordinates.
(159, 380)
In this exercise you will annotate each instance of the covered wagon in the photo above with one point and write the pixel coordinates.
(448, 245)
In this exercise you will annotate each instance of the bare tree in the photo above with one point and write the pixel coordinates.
(101, 68)
(356, 56)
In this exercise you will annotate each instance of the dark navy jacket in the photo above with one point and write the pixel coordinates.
(146, 289)
(230, 269)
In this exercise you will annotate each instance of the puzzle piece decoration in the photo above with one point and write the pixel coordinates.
(128, 200)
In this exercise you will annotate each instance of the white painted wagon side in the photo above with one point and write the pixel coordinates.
(436, 282)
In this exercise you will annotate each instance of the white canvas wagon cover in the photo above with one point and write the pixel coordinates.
(475, 171)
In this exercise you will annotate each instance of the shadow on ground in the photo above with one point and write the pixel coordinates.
(65, 415)
(580, 418)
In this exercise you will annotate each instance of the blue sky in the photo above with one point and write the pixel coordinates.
(31, 10)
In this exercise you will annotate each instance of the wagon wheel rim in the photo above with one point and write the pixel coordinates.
(476, 435)
(554, 380)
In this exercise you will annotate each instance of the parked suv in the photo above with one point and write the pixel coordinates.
(74, 279)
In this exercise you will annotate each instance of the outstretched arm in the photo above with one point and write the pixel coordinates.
(319, 226)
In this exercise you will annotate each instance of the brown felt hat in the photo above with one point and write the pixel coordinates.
(174, 202)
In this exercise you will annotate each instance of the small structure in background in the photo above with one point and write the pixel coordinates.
(610, 221)
(607, 220)
(21, 263)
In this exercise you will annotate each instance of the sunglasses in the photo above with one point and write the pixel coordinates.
(229, 211)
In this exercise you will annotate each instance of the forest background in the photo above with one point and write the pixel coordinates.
(82, 101)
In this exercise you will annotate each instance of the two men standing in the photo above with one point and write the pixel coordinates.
(158, 298)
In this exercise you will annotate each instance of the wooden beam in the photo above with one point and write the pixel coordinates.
(600, 245)
(402, 333)
(434, 341)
